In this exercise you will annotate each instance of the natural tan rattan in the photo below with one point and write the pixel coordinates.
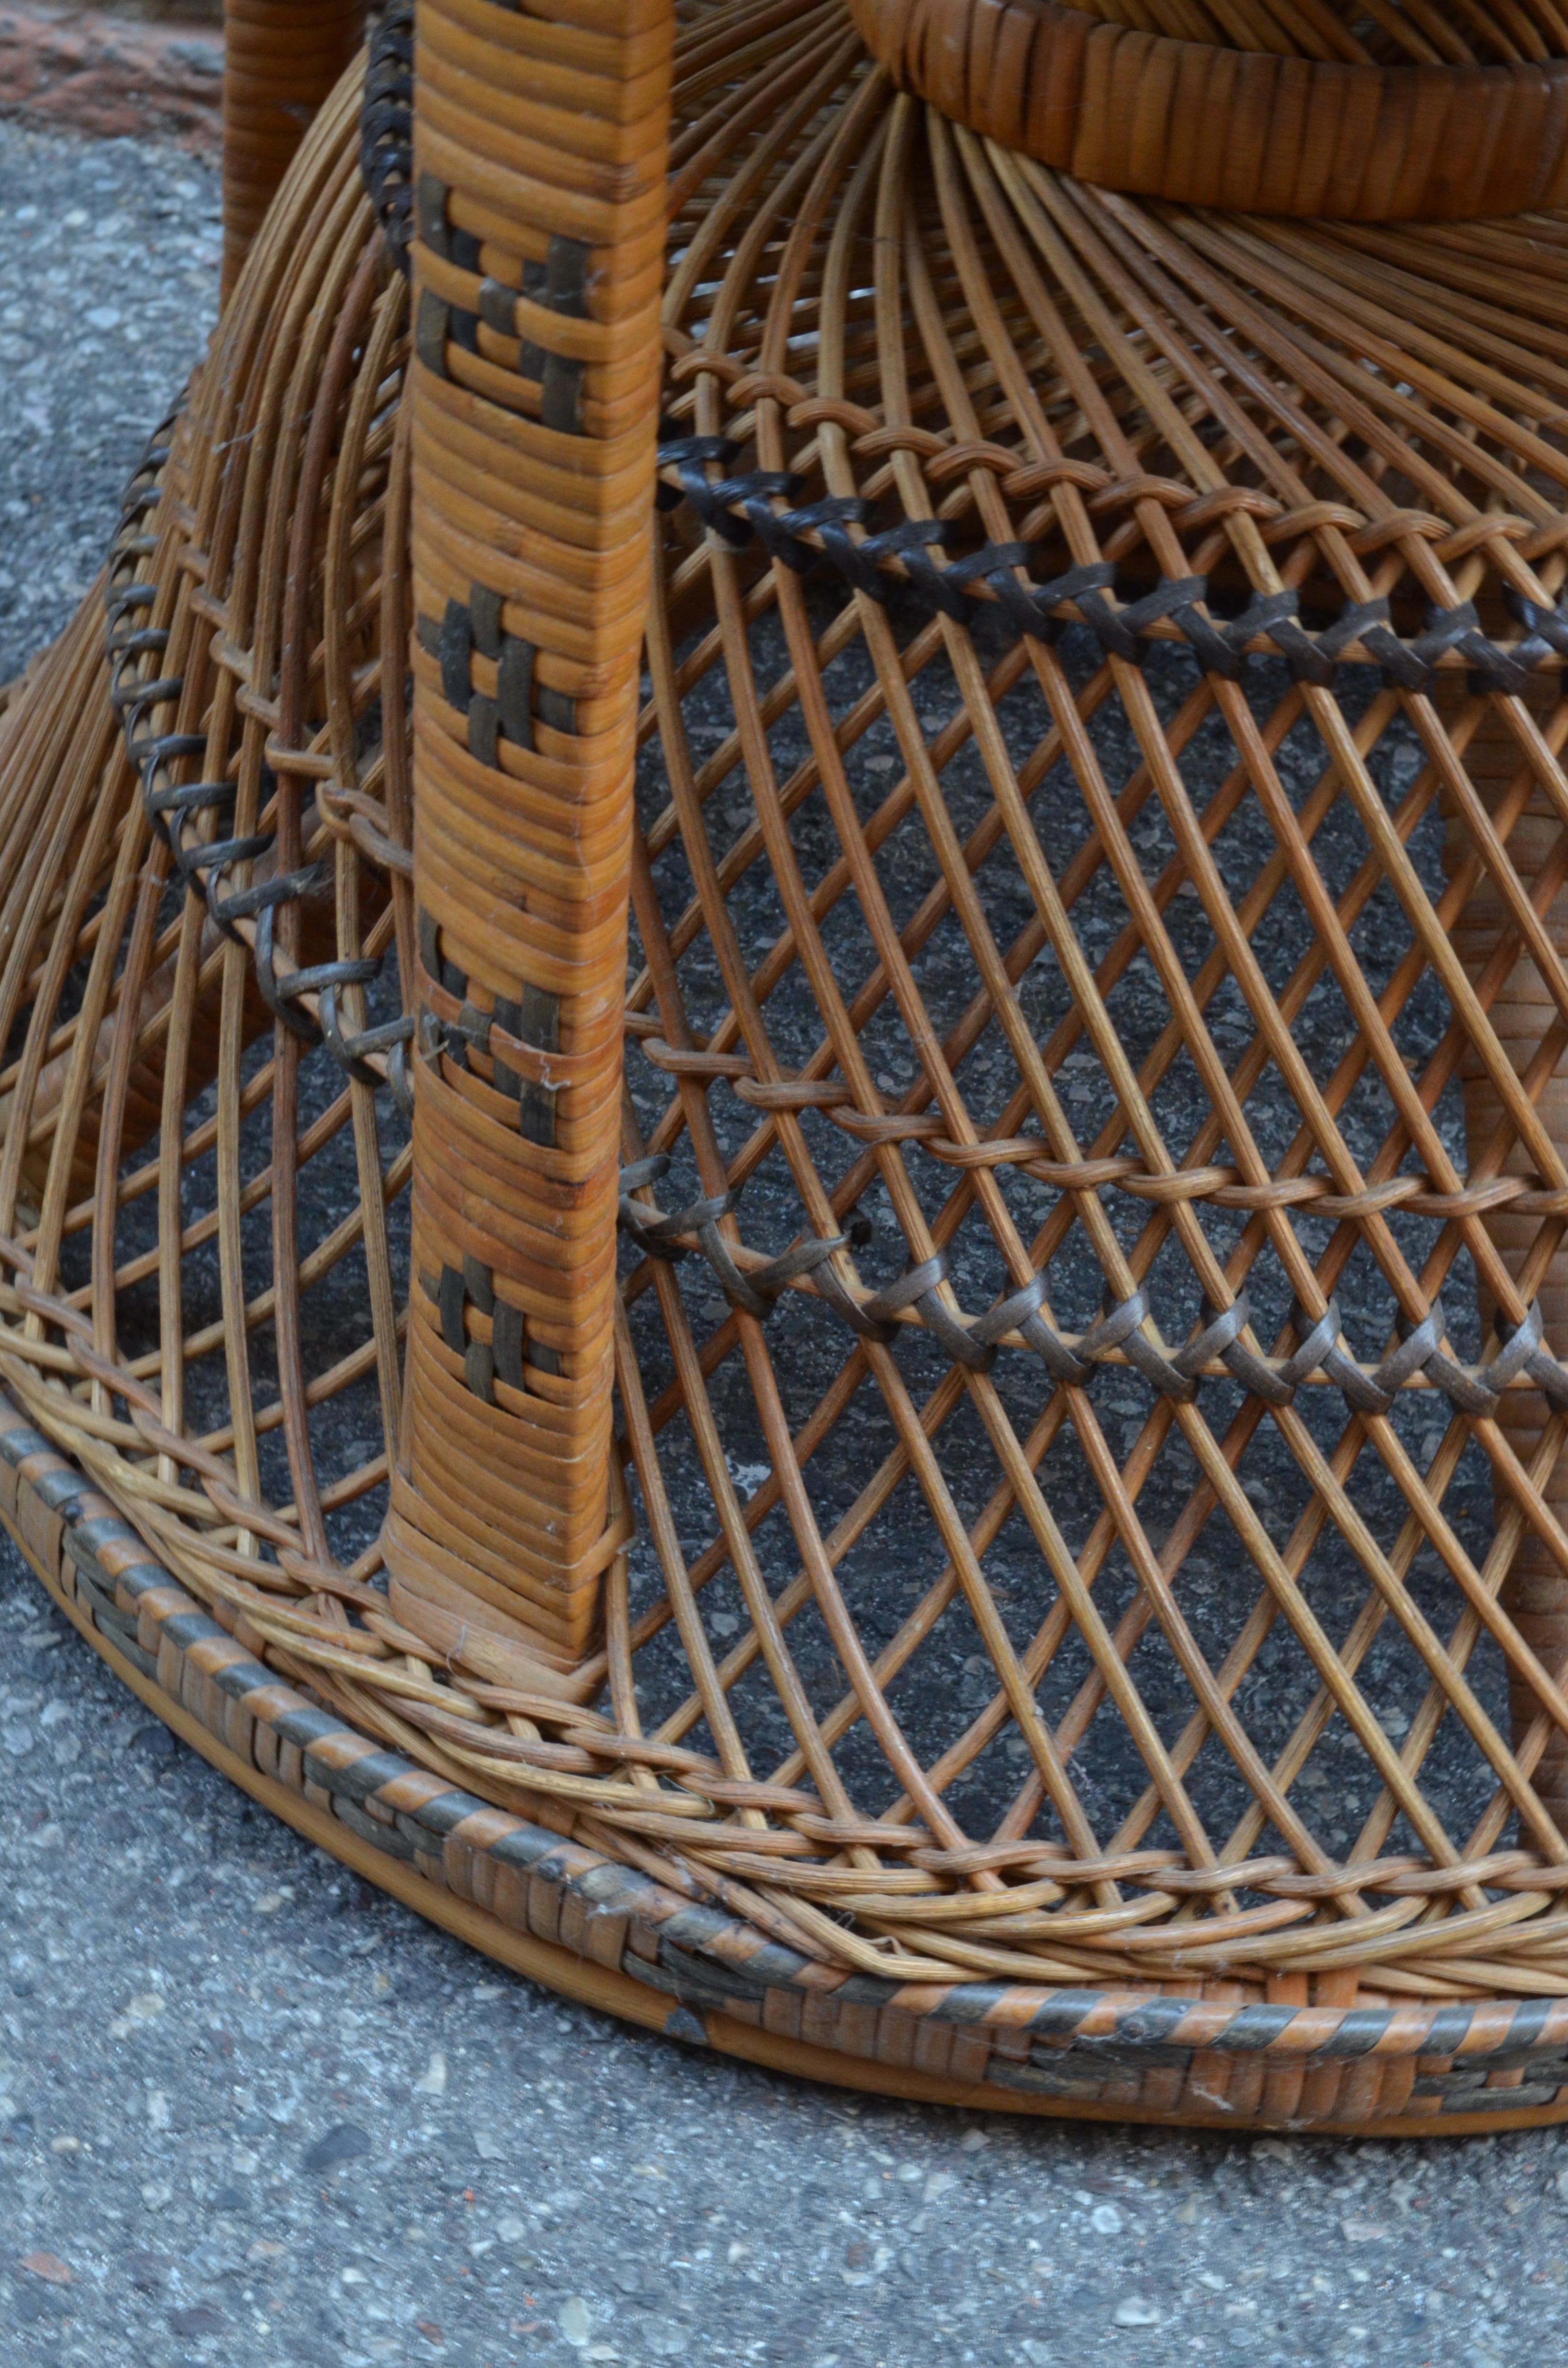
(282, 59)
(1376, 115)
(539, 213)
(1068, 1577)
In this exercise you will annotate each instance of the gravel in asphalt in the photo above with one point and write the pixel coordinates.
(108, 274)
(251, 2112)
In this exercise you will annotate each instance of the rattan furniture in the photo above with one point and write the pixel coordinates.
(781, 1169)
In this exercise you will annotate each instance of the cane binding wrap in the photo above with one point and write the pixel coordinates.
(1071, 1611)
(1274, 112)
(282, 59)
(538, 255)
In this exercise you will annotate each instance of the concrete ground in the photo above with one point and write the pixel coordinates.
(252, 2113)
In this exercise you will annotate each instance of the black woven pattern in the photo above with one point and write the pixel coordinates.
(465, 629)
(173, 808)
(740, 509)
(386, 129)
(558, 285)
(532, 1017)
(510, 1348)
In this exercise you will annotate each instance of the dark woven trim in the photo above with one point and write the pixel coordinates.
(172, 809)
(386, 129)
(999, 578)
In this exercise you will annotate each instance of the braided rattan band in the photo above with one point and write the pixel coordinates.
(739, 508)
(1126, 1334)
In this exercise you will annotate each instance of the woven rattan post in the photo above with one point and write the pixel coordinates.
(1065, 1604)
(281, 59)
(538, 255)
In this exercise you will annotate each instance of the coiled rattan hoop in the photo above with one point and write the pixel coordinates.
(1339, 131)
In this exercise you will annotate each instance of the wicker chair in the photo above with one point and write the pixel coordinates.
(1039, 1577)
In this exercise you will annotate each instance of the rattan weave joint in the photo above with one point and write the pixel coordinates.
(1119, 1335)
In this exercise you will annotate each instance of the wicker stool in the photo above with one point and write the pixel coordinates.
(1038, 1576)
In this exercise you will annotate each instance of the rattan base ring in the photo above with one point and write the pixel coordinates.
(587, 1928)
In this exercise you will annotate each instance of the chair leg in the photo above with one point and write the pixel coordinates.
(280, 59)
(537, 257)
(1535, 1591)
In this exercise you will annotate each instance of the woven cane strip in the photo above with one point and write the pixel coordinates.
(975, 970)
(537, 217)
(282, 59)
(739, 508)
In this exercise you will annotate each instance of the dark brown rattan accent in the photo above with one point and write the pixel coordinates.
(386, 126)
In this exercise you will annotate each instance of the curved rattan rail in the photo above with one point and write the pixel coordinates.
(1020, 551)
(1205, 123)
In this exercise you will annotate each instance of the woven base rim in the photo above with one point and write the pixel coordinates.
(443, 1854)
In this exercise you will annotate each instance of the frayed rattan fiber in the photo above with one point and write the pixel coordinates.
(1070, 1615)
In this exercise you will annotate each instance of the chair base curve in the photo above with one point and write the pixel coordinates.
(566, 1916)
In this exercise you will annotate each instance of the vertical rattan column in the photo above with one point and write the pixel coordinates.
(280, 59)
(540, 211)
(1524, 1016)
